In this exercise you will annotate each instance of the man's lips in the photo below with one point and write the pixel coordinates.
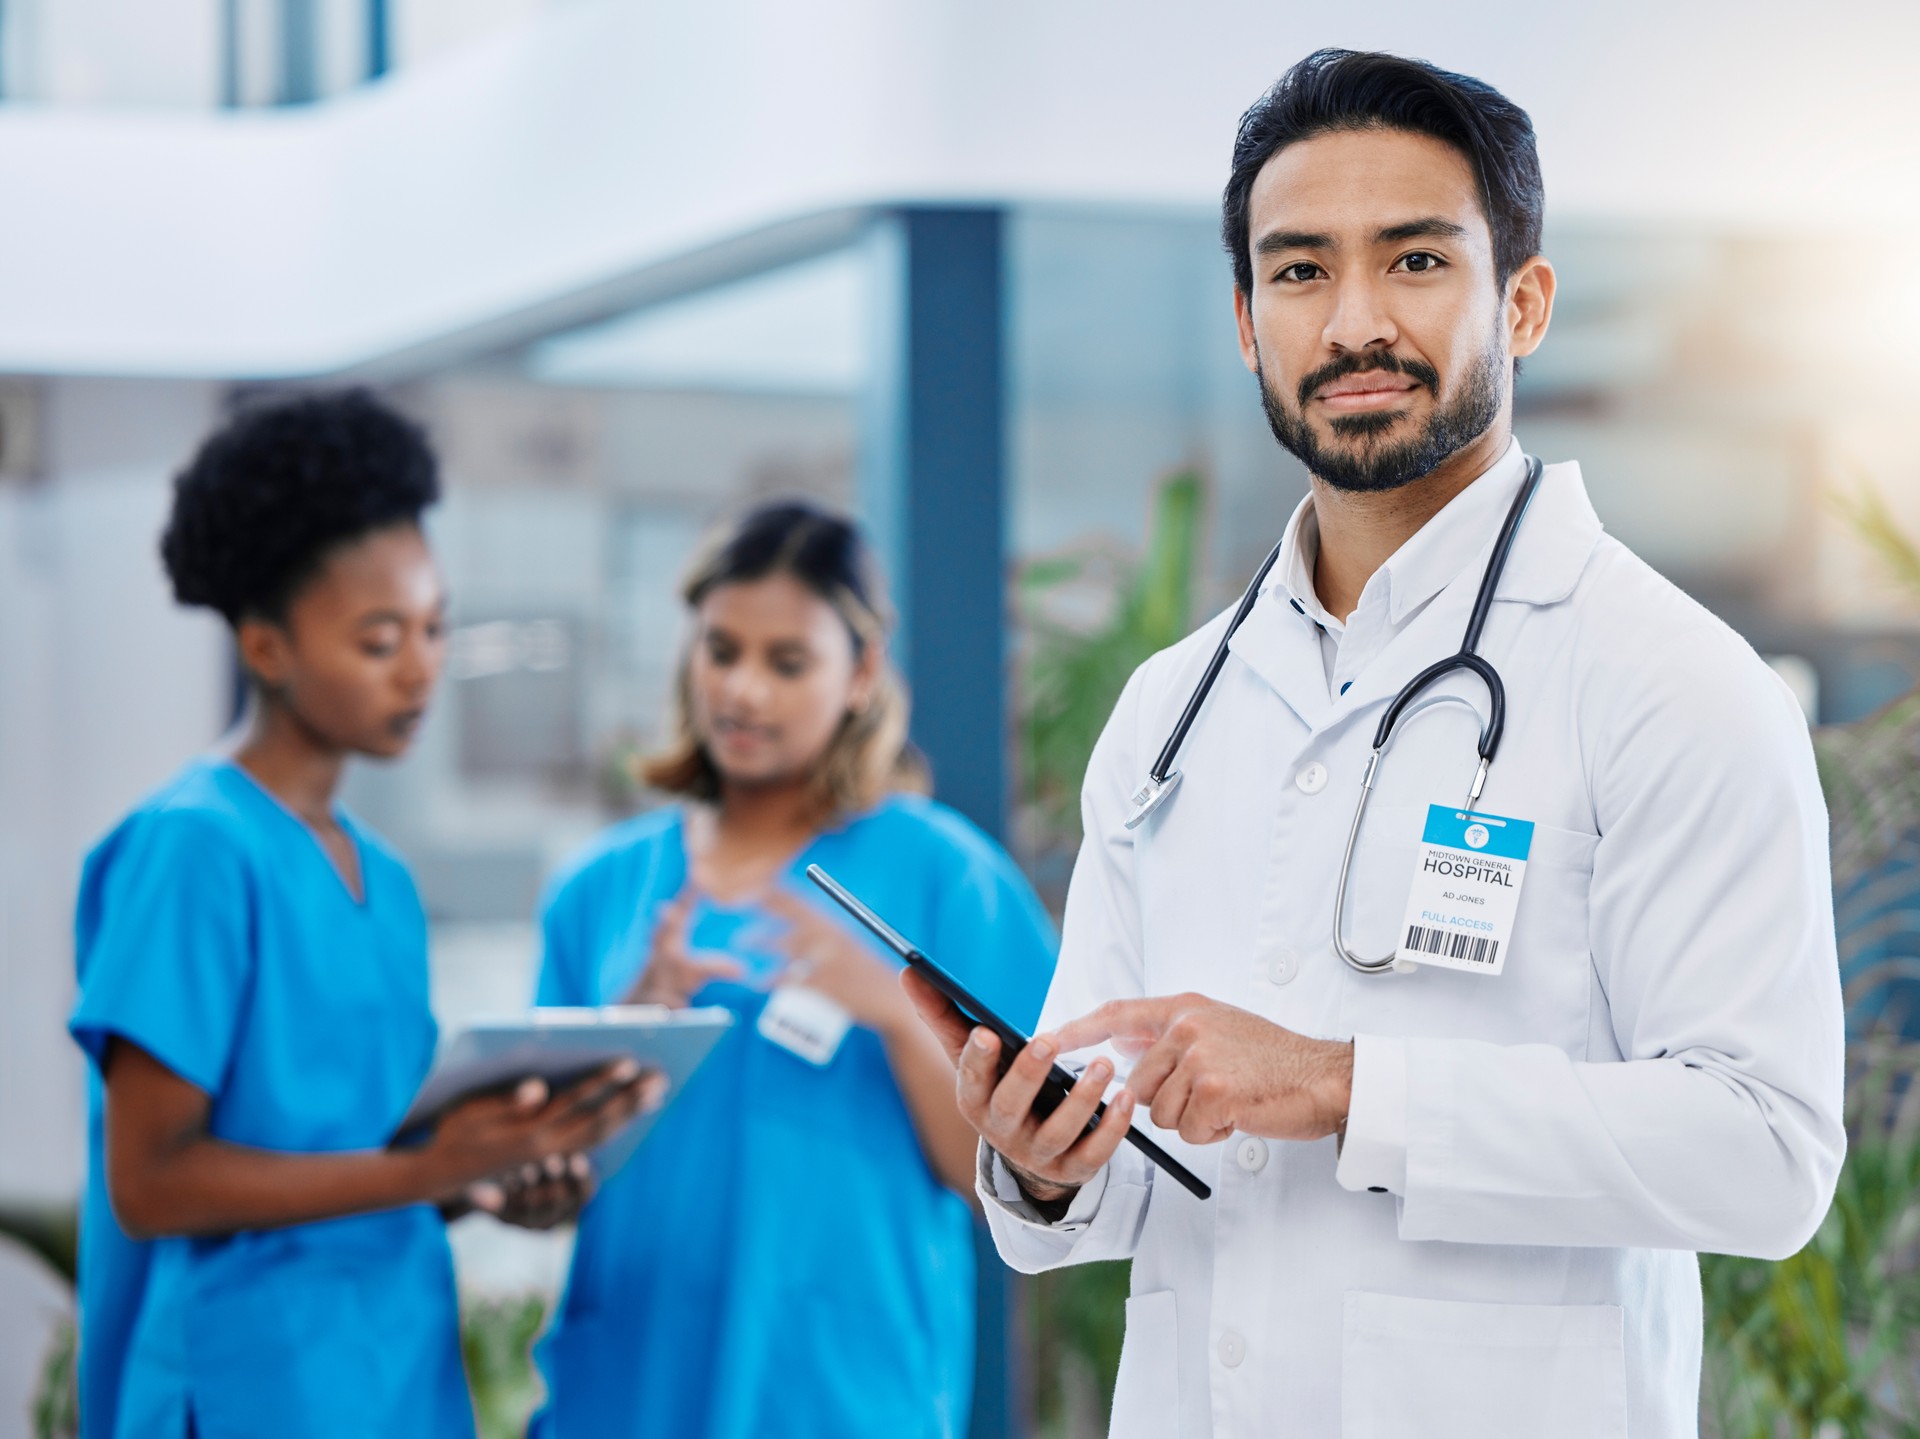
(1372, 390)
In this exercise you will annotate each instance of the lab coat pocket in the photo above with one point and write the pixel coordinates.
(1146, 1397)
(1543, 994)
(1443, 1369)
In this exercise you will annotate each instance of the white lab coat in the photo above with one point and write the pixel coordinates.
(1658, 1070)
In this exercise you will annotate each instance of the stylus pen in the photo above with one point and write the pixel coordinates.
(1187, 1179)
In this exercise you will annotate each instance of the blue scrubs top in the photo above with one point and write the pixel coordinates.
(778, 1259)
(214, 932)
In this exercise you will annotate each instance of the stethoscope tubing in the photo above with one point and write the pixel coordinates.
(1162, 778)
(1170, 751)
(1466, 659)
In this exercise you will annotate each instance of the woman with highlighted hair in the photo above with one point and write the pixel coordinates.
(720, 1289)
(254, 1258)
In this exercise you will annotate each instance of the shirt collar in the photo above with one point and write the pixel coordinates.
(1426, 564)
(1293, 576)
(1556, 542)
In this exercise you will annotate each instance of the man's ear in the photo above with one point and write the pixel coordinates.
(1529, 306)
(265, 650)
(1243, 319)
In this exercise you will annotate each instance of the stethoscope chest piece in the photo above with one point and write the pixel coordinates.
(1150, 796)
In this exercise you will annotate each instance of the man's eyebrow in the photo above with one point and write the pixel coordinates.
(1275, 241)
(1430, 228)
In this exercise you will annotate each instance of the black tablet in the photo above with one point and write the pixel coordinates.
(1012, 1041)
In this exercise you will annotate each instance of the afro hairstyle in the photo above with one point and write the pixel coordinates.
(280, 486)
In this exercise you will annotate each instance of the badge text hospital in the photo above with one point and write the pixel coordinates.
(1466, 887)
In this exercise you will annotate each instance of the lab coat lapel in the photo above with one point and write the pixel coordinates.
(1282, 647)
(1555, 542)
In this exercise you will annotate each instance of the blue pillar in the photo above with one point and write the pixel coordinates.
(230, 54)
(299, 52)
(933, 490)
(379, 38)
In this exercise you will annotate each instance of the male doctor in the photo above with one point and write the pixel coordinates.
(1452, 1197)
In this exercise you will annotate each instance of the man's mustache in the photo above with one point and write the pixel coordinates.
(1417, 370)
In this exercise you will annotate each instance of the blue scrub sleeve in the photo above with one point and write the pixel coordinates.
(170, 961)
(998, 937)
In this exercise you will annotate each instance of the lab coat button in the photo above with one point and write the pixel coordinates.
(1312, 778)
(1284, 965)
(1252, 1154)
(1232, 1349)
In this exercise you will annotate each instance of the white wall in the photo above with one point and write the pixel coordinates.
(425, 30)
(610, 134)
(109, 52)
(167, 54)
(107, 687)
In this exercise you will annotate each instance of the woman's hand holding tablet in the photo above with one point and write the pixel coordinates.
(495, 1135)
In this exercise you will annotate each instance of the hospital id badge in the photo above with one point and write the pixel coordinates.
(804, 1022)
(1466, 888)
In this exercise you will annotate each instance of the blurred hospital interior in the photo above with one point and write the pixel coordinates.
(954, 267)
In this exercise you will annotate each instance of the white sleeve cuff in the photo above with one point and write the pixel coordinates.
(1373, 1156)
(998, 1187)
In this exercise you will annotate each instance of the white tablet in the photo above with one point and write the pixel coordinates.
(562, 1046)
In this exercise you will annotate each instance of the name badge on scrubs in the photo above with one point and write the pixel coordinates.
(804, 1022)
(1466, 887)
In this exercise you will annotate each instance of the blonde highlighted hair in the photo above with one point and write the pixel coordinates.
(869, 756)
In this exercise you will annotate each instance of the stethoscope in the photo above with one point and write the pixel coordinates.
(1163, 778)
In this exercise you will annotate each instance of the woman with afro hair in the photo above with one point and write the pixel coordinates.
(252, 961)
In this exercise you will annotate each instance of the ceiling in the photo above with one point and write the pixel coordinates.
(611, 137)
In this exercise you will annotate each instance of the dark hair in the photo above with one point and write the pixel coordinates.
(822, 550)
(870, 754)
(1364, 90)
(283, 483)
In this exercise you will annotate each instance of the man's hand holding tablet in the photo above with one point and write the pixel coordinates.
(1050, 1155)
(1010, 1087)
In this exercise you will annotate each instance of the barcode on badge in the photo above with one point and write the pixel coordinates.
(1474, 949)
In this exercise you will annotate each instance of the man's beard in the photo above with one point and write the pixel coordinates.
(1373, 464)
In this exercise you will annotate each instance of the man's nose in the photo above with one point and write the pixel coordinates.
(1359, 321)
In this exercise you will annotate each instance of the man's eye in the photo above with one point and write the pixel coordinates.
(1420, 262)
(1298, 273)
(790, 669)
(378, 649)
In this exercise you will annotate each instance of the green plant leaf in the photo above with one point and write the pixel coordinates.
(1072, 677)
(496, 1340)
(51, 1231)
(1866, 513)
